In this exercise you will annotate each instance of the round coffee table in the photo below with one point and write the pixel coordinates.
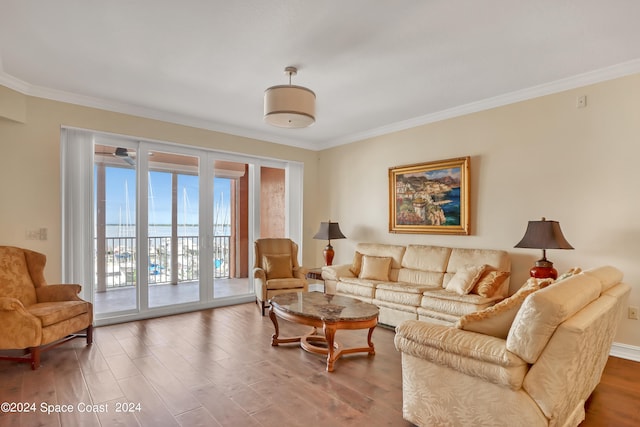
(329, 312)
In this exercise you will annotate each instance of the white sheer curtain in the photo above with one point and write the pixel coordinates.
(293, 202)
(76, 147)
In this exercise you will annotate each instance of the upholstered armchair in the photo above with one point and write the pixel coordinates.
(276, 269)
(36, 316)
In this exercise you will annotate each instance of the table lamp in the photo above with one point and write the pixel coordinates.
(544, 235)
(329, 230)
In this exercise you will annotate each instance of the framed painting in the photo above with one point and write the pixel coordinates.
(431, 198)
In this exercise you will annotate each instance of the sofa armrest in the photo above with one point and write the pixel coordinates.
(335, 272)
(53, 293)
(11, 304)
(471, 353)
(300, 272)
(259, 273)
(18, 328)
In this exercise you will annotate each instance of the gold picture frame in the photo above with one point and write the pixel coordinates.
(430, 198)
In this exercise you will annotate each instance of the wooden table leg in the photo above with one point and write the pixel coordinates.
(330, 334)
(372, 350)
(274, 319)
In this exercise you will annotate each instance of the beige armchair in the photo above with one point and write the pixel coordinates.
(276, 269)
(36, 316)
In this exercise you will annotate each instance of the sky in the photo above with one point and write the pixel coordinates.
(121, 197)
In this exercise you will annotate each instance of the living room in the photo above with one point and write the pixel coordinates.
(533, 154)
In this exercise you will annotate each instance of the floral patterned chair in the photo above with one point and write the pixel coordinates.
(36, 316)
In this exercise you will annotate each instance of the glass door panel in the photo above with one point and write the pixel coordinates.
(230, 229)
(173, 229)
(115, 229)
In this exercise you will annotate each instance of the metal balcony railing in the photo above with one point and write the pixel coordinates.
(121, 260)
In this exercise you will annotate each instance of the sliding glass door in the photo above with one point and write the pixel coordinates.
(152, 229)
(230, 228)
(115, 195)
(173, 230)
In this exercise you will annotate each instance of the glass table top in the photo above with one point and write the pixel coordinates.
(323, 306)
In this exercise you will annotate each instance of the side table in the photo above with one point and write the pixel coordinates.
(316, 274)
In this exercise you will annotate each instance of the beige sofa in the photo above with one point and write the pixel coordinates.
(540, 374)
(414, 285)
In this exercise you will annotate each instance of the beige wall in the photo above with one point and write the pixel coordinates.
(542, 157)
(30, 165)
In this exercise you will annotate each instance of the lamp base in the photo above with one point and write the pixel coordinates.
(328, 254)
(543, 270)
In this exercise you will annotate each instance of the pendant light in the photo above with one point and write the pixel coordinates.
(289, 106)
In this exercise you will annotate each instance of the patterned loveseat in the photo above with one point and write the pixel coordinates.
(422, 282)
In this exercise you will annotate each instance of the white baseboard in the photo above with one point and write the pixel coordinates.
(625, 351)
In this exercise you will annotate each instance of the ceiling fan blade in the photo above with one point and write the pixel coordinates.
(129, 160)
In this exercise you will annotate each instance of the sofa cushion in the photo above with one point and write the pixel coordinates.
(356, 286)
(285, 283)
(497, 319)
(490, 282)
(396, 252)
(454, 304)
(401, 293)
(569, 273)
(607, 276)
(497, 259)
(543, 311)
(426, 258)
(51, 313)
(375, 268)
(407, 287)
(277, 266)
(356, 265)
(465, 278)
(437, 317)
(420, 277)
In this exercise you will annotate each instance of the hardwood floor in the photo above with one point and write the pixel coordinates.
(217, 368)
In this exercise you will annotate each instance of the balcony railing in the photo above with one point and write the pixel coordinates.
(121, 260)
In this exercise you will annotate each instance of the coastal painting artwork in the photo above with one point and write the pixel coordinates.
(430, 198)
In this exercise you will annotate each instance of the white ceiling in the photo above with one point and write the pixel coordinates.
(376, 66)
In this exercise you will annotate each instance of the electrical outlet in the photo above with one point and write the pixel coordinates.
(31, 234)
(36, 233)
(633, 313)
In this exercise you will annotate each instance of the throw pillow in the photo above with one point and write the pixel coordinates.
(375, 268)
(497, 319)
(277, 266)
(465, 278)
(489, 283)
(357, 264)
(571, 272)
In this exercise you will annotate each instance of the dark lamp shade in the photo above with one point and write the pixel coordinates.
(544, 235)
(329, 231)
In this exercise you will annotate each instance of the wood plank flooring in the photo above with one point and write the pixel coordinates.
(217, 368)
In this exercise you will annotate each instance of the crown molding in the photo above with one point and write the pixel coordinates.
(580, 80)
(148, 113)
(592, 77)
(13, 83)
